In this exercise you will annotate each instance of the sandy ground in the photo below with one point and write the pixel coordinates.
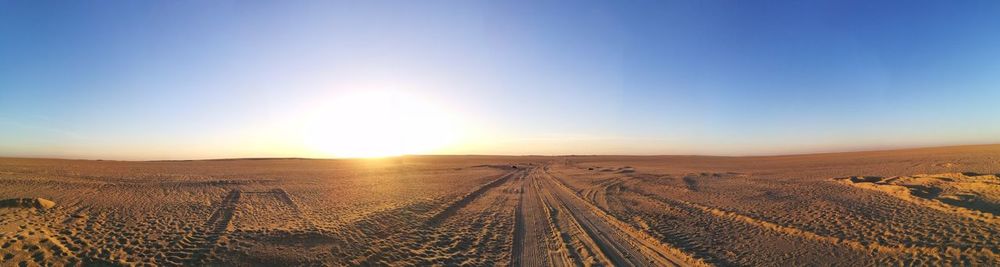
(935, 206)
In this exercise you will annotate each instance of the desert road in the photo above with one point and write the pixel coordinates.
(556, 227)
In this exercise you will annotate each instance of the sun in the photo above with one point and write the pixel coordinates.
(379, 124)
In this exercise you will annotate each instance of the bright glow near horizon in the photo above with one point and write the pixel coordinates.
(378, 124)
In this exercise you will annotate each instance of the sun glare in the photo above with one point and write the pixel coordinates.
(379, 124)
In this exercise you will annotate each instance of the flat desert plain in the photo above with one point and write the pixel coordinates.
(932, 206)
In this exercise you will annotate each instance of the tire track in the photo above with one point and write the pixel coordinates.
(468, 198)
(195, 247)
(285, 198)
(221, 218)
(808, 235)
(450, 235)
(531, 230)
(559, 253)
(612, 244)
(597, 194)
(579, 243)
(585, 234)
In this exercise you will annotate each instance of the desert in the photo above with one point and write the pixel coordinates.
(499, 133)
(930, 206)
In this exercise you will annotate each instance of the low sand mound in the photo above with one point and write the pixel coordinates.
(39, 203)
(979, 193)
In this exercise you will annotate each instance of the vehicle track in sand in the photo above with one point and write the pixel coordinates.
(557, 227)
(468, 198)
(195, 247)
(477, 223)
(531, 233)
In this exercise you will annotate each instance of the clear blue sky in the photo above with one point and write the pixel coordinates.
(202, 79)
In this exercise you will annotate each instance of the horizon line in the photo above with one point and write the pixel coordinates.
(522, 155)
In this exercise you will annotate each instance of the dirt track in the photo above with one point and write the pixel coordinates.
(584, 234)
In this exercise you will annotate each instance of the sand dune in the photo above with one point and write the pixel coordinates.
(967, 194)
(935, 206)
(39, 203)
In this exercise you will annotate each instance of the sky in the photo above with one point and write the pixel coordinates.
(218, 79)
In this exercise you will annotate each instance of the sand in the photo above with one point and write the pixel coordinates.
(935, 206)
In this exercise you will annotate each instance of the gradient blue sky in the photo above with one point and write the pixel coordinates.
(207, 79)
